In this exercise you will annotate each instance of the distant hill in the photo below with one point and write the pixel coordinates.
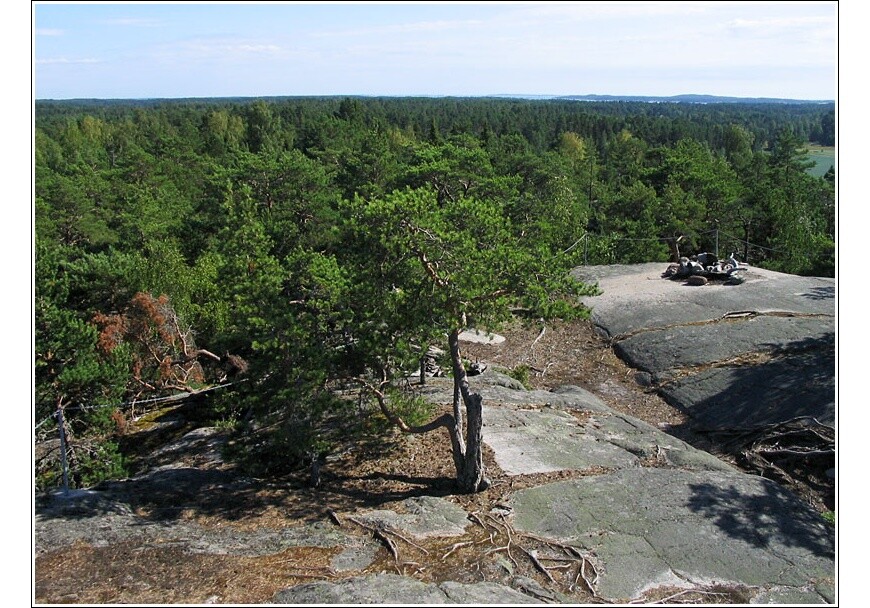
(701, 99)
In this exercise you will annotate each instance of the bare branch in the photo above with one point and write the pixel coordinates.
(455, 547)
(533, 555)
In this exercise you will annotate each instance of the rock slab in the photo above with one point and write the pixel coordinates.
(653, 527)
(400, 590)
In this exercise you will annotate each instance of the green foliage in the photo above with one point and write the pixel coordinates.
(69, 368)
(424, 265)
(227, 423)
(521, 374)
(102, 461)
(310, 426)
(413, 409)
(326, 238)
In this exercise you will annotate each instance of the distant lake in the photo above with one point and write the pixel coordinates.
(824, 157)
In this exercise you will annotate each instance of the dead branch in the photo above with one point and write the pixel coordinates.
(455, 547)
(590, 585)
(533, 555)
(410, 542)
(793, 452)
(317, 576)
(506, 549)
(576, 556)
(445, 420)
(473, 517)
(381, 536)
(334, 517)
(566, 566)
(540, 335)
(667, 599)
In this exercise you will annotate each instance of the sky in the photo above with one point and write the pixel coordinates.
(146, 50)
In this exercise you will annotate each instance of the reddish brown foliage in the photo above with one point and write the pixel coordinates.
(112, 333)
(164, 354)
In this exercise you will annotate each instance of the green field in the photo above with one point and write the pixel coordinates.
(824, 157)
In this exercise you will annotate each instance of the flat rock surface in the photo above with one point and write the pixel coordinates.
(480, 337)
(660, 350)
(101, 520)
(636, 297)
(422, 517)
(546, 440)
(400, 590)
(653, 527)
(731, 356)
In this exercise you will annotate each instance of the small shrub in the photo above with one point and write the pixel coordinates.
(287, 440)
(226, 424)
(413, 409)
(521, 374)
(102, 461)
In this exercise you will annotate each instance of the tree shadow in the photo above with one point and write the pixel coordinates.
(163, 495)
(769, 519)
(186, 478)
(177, 493)
(821, 293)
(764, 415)
(394, 488)
(797, 381)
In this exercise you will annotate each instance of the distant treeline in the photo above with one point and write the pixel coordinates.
(540, 121)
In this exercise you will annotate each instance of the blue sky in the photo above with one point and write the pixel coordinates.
(134, 50)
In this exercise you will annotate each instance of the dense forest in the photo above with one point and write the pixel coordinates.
(282, 247)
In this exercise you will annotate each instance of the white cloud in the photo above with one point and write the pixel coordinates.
(401, 28)
(781, 23)
(225, 51)
(253, 48)
(133, 22)
(204, 48)
(606, 10)
(45, 31)
(66, 60)
(232, 47)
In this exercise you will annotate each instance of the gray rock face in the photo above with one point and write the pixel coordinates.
(541, 441)
(104, 519)
(533, 431)
(425, 516)
(653, 527)
(400, 590)
(100, 521)
(659, 350)
(660, 326)
(637, 298)
(757, 395)
(644, 440)
(665, 513)
(544, 440)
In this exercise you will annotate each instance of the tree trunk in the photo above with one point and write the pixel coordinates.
(468, 448)
(473, 477)
(468, 454)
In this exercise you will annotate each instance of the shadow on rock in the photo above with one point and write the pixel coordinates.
(799, 381)
(377, 496)
(165, 495)
(768, 520)
(820, 293)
